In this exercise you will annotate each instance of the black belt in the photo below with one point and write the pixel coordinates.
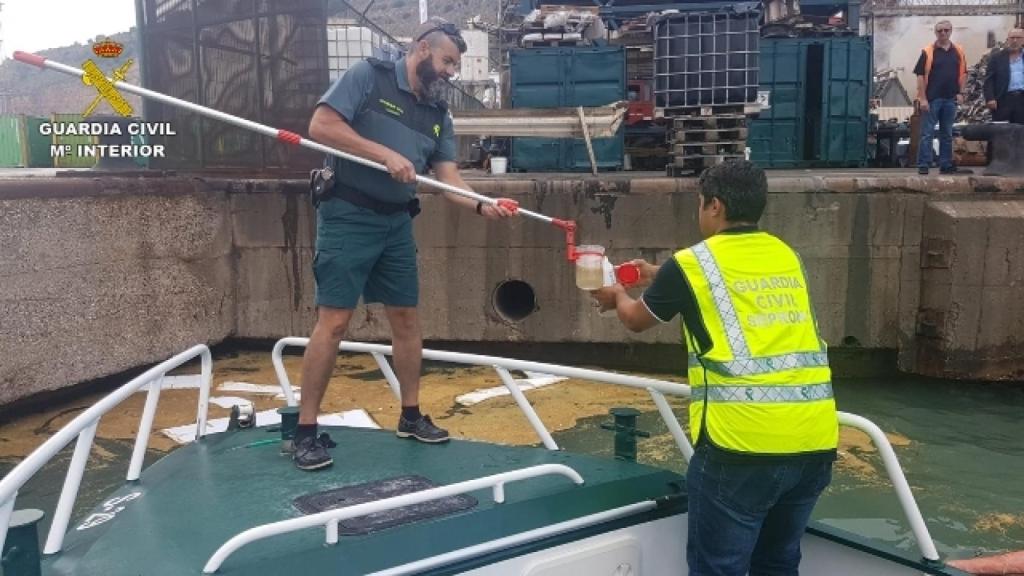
(353, 196)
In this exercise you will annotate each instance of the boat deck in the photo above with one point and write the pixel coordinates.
(195, 499)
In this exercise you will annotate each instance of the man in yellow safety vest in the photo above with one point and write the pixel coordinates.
(762, 416)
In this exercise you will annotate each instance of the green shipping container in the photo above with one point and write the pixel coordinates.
(560, 78)
(72, 160)
(12, 134)
(37, 145)
(818, 92)
(21, 144)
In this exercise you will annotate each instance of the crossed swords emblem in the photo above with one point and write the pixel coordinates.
(94, 77)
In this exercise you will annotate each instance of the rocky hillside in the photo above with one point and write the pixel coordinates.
(27, 90)
(400, 17)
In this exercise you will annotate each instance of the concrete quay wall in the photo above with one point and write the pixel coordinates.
(102, 274)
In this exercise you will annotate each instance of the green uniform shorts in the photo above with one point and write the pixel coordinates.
(361, 252)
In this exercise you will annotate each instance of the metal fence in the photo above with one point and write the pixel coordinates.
(455, 94)
(259, 59)
(263, 60)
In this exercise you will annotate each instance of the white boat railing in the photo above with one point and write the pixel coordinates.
(899, 482)
(85, 424)
(84, 427)
(330, 519)
(656, 388)
(484, 548)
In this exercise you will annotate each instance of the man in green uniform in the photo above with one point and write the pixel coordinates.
(390, 113)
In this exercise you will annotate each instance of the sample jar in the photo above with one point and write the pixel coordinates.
(589, 267)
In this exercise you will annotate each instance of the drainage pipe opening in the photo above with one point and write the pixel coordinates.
(514, 300)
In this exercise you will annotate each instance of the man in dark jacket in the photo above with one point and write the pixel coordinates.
(1004, 81)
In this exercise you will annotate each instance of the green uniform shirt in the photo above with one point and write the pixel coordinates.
(377, 101)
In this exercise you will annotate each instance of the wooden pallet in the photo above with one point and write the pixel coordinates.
(555, 43)
(700, 149)
(691, 131)
(699, 163)
(716, 122)
(705, 160)
(713, 135)
(673, 171)
(707, 111)
(735, 135)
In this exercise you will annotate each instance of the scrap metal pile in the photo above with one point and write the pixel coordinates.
(974, 109)
(555, 25)
(800, 26)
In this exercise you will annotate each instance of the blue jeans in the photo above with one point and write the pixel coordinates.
(941, 111)
(749, 517)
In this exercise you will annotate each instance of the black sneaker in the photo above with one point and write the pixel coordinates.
(311, 452)
(923, 171)
(422, 430)
(288, 446)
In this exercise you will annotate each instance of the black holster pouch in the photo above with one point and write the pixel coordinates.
(321, 185)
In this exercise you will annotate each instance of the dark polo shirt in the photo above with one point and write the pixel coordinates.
(944, 79)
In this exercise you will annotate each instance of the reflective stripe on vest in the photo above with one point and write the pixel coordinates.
(769, 394)
(737, 342)
(763, 365)
(764, 386)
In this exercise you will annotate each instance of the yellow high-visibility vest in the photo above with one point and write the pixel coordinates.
(765, 386)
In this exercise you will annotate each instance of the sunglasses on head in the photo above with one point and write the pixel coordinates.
(450, 31)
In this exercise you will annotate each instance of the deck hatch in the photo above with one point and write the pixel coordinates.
(379, 490)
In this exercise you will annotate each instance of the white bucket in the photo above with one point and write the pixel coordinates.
(499, 164)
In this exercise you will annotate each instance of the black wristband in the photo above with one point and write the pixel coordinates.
(480, 207)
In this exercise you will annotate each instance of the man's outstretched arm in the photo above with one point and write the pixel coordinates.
(633, 314)
(448, 172)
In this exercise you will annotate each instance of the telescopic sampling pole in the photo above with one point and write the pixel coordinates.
(103, 84)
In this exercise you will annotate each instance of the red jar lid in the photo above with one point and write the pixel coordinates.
(627, 273)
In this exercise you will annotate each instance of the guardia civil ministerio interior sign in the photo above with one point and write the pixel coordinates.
(94, 128)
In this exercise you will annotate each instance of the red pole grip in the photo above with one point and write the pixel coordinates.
(30, 58)
(510, 205)
(289, 137)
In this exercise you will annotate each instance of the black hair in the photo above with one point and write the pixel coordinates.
(740, 185)
(434, 39)
(434, 29)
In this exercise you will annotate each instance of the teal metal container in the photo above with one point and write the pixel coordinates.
(12, 135)
(818, 91)
(561, 78)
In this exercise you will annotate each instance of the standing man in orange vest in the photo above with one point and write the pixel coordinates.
(941, 74)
